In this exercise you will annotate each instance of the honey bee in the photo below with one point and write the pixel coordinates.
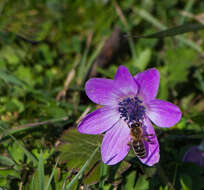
(137, 139)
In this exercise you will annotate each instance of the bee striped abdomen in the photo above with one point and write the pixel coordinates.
(139, 148)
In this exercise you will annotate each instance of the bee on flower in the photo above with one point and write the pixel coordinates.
(127, 100)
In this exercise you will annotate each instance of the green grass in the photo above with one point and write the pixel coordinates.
(48, 50)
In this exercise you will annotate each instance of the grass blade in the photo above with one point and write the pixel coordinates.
(51, 176)
(184, 28)
(81, 170)
(103, 174)
(148, 17)
(187, 8)
(30, 126)
(32, 183)
(27, 153)
(41, 172)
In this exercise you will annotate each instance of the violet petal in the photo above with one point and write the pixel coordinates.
(148, 82)
(115, 143)
(102, 91)
(163, 113)
(125, 82)
(194, 155)
(99, 121)
(152, 147)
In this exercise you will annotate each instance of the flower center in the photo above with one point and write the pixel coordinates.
(131, 110)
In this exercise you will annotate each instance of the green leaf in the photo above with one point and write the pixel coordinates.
(103, 173)
(143, 59)
(21, 148)
(92, 175)
(82, 169)
(77, 148)
(186, 182)
(12, 54)
(16, 153)
(9, 78)
(130, 181)
(9, 173)
(5, 161)
(25, 74)
(32, 183)
(184, 28)
(181, 59)
(142, 183)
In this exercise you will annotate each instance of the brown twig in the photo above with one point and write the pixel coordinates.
(120, 14)
(110, 48)
(83, 115)
(21, 185)
(199, 17)
(68, 80)
(40, 123)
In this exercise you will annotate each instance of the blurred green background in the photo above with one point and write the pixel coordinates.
(50, 48)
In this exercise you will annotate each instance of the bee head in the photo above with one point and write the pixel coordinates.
(136, 124)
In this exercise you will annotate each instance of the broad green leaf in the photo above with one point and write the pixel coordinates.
(143, 59)
(142, 183)
(13, 54)
(82, 169)
(181, 59)
(3, 182)
(6, 161)
(25, 74)
(130, 181)
(9, 78)
(93, 175)
(77, 149)
(16, 153)
(14, 105)
(21, 150)
(9, 173)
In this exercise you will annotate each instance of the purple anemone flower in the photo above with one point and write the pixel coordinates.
(195, 154)
(127, 100)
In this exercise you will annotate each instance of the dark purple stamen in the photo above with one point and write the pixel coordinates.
(131, 110)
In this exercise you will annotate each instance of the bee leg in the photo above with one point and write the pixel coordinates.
(148, 140)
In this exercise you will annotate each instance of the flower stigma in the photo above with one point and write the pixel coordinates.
(131, 110)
